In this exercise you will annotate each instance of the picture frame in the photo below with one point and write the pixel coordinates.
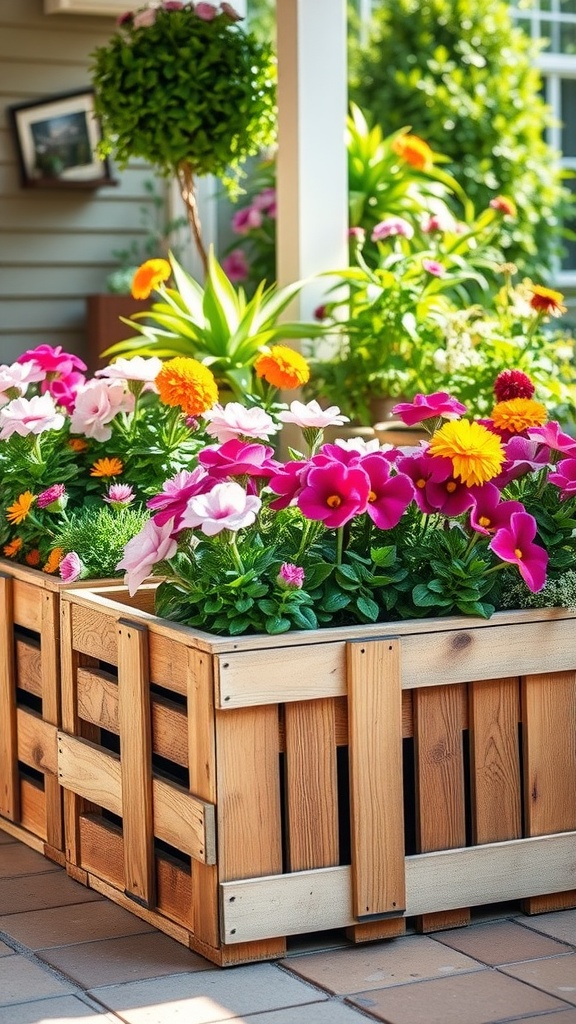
(56, 140)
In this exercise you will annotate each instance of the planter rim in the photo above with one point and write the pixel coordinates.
(41, 579)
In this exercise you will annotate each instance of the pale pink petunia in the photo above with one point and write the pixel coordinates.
(312, 415)
(71, 567)
(145, 18)
(97, 403)
(230, 12)
(138, 369)
(391, 227)
(206, 12)
(29, 416)
(434, 267)
(234, 420)
(225, 507)
(15, 378)
(152, 545)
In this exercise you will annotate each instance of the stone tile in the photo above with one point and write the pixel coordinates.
(33, 892)
(61, 926)
(208, 996)
(556, 975)
(4, 949)
(130, 958)
(409, 958)
(561, 925)
(58, 1010)
(331, 1012)
(501, 942)
(564, 1017)
(21, 981)
(5, 838)
(484, 997)
(16, 859)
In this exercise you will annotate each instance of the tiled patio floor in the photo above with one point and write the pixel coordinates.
(68, 956)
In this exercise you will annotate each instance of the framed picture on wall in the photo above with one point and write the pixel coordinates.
(56, 140)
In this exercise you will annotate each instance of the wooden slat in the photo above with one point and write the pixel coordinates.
(9, 787)
(86, 770)
(184, 821)
(136, 762)
(495, 760)
(440, 800)
(203, 910)
(311, 785)
(92, 633)
(33, 808)
(28, 667)
(376, 787)
(37, 742)
(549, 731)
(51, 707)
(27, 604)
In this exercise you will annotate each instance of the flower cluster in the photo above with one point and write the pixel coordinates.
(356, 532)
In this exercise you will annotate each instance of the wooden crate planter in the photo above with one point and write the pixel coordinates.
(30, 795)
(234, 792)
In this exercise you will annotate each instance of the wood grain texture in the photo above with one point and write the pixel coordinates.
(495, 760)
(311, 785)
(9, 784)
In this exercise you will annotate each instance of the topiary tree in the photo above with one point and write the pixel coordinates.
(464, 78)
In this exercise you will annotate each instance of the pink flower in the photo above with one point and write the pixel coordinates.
(229, 11)
(144, 19)
(236, 421)
(175, 494)
(97, 403)
(357, 235)
(291, 576)
(236, 266)
(425, 407)
(266, 201)
(552, 435)
(438, 222)
(564, 477)
(522, 456)
(489, 513)
(435, 488)
(52, 360)
(334, 493)
(287, 482)
(153, 544)
(173, 5)
(71, 567)
(312, 415)
(390, 227)
(225, 507)
(53, 499)
(237, 458)
(64, 389)
(137, 369)
(389, 496)
(206, 11)
(434, 268)
(246, 220)
(29, 416)
(119, 495)
(514, 543)
(14, 379)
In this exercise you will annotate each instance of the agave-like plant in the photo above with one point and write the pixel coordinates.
(216, 324)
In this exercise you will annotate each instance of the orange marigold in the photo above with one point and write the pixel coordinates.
(148, 277)
(77, 444)
(517, 414)
(546, 300)
(53, 561)
(13, 547)
(33, 557)
(504, 205)
(414, 151)
(283, 367)
(188, 383)
(20, 510)
(107, 467)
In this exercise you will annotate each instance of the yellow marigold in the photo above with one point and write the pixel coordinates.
(517, 414)
(546, 300)
(53, 561)
(107, 467)
(13, 547)
(188, 383)
(283, 367)
(20, 510)
(148, 277)
(414, 151)
(33, 557)
(77, 444)
(475, 452)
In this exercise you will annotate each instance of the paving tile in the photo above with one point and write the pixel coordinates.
(131, 958)
(60, 926)
(22, 981)
(4, 949)
(556, 975)
(208, 996)
(564, 1017)
(33, 892)
(58, 1010)
(410, 958)
(314, 1013)
(484, 997)
(501, 942)
(16, 859)
(561, 925)
(5, 838)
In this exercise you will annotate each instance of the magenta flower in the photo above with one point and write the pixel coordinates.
(552, 435)
(71, 567)
(153, 544)
(489, 513)
(389, 496)
(237, 458)
(334, 493)
(425, 407)
(64, 389)
(564, 477)
(206, 12)
(522, 456)
(119, 495)
(390, 227)
(236, 266)
(247, 219)
(514, 543)
(225, 507)
(175, 495)
(435, 489)
(234, 420)
(25, 416)
(290, 577)
(53, 499)
(287, 482)
(266, 201)
(52, 360)
(434, 268)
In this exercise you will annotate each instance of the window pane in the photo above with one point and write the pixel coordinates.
(549, 31)
(569, 261)
(568, 6)
(568, 107)
(568, 38)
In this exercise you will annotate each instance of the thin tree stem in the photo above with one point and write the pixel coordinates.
(188, 192)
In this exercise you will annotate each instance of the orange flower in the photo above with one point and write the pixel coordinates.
(546, 300)
(53, 561)
(148, 277)
(33, 557)
(188, 383)
(504, 205)
(107, 467)
(414, 151)
(517, 414)
(13, 547)
(77, 444)
(20, 510)
(283, 367)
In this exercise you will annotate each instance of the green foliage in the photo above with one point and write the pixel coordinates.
(464, 78)
(98, 535)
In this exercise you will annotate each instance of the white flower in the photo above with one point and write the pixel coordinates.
(312, 415)
(360, 445)
(233, 420)
(137, 368)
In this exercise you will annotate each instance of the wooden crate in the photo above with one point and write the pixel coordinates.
(30, 795)
(236, 791)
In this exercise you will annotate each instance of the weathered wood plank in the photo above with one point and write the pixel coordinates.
(88, 771)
